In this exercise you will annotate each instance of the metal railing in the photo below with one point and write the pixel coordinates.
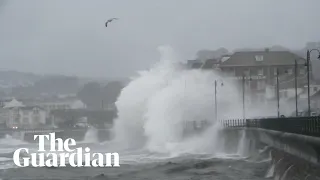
(299, 125)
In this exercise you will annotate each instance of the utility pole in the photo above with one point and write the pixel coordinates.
(215, 100)
(308, 69)
(296, 84)
(278, 98)
(308, 74)
(243, 97)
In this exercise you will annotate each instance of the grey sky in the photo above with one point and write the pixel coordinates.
(69, 37)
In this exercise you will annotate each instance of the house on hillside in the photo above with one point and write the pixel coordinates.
(259, 68)
(5, 105)
(25, 117)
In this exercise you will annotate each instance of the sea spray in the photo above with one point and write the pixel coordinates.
(91, 135)
(132, 102)
(243, 145)
(154, 107)
(188, 98)
(11, 141)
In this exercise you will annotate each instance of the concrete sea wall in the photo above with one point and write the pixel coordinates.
(293, 156)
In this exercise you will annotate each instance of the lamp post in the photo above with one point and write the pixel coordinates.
(278, 97)
(296, 82)
(215, 98)
(243, 98)
(308, 69)
(295, 85)
(243, 95)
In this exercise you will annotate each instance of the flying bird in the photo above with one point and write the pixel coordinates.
(110, 20)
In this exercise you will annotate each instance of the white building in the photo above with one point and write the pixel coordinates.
(25, 117)
(66, 103)
(19, 115)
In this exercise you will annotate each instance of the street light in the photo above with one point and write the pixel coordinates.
(243, 96)
(296, 82)
(215, 98)
(278, 90)
(308, 69)
(278, 97)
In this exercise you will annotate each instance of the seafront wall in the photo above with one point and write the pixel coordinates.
(293, 156)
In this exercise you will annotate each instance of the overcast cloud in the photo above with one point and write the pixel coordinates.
(69, 37)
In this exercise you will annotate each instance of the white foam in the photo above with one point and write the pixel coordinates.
(5, 159)
(270, 172)
(91, 136)
(153, 108)
(10, 141)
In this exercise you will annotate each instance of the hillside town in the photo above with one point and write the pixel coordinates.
(57, 110)
(272, 78)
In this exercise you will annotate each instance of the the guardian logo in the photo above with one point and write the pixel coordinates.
(63, 155)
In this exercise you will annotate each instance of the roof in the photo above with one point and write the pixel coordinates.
(27, 107)
(209, 63)
(270, 58)
(13, 103)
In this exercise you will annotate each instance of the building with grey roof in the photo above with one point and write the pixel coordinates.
(260, 67)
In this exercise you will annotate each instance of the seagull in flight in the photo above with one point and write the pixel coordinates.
(110, 20)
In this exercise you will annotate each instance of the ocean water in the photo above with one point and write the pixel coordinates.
(149, 135)
(144, 164)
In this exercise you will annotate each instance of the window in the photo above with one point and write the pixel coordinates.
(289, 71)
(35, 111)
(260, 72)
(259, 58)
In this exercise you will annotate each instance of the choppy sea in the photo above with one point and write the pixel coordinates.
(139, 164)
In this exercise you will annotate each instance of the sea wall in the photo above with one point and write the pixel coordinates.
(293, 156)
